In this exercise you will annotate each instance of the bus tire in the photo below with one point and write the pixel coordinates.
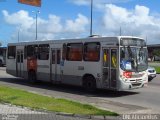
(89, 83)
(32, 76)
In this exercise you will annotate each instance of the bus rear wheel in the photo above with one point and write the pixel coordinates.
(32, 76)
(89, 83)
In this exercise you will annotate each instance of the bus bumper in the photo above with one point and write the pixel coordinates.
(129, 86)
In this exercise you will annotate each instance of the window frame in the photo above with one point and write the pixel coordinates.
(64, 52)
(43, 48)
(34, 51)
(68, 53)
(85, 52)
(11, 54)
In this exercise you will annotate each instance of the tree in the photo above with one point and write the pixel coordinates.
(156, 52)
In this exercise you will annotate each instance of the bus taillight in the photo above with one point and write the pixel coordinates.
(127, 74)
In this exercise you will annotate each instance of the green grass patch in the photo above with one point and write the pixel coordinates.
(157, 69)
(35, 101)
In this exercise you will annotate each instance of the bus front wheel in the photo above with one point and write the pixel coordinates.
(89, 83)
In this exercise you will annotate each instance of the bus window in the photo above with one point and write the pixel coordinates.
(64, 51)
(43, 52)
(114, 58)
(25, 52)
(18, 57)
(53, 57)
(32, 51)
(74, 52)
(11, 52)
(106, 58)
(92, 51)
(1, 51)
(58, 56)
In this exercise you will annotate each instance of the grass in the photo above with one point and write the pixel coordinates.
(35, 101)
(153, 64)
(157, 69)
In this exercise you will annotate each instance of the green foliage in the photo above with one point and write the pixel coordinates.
(156, 52)
(157, 69)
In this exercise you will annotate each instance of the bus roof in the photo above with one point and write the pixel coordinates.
(71, 40)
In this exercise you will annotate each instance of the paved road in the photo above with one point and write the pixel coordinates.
(144, 100)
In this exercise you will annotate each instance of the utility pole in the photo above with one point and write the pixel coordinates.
(19, 29)
(36, 12)
(146, 39)
(18, 34)
(91, 17)
(120, 31)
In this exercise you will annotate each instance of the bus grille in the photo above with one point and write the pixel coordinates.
(136, 80)
(137, 76)
(136, 84)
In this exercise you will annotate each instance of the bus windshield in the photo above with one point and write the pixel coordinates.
(133, 59)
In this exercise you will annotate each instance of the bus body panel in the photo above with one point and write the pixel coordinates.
(73, 71)
(20, 61)
(43, 70)
(55, 63)
(10, 67)
(25, 69)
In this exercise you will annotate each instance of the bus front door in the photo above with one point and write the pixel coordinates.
(19, 63)
(110, 68)
(55, 65)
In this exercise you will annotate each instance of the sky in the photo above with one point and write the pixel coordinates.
(60, 19)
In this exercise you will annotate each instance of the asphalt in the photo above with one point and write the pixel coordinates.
(129, 102)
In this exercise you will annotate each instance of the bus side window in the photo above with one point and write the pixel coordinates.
(105, 57)
(1, 52)
(74, 52)
(43, 52)
(25, 52)
(92, 51)
(53, 56)
(64, 51)
(11, 52)
(32, 51)
(58, 56)
(114, 58)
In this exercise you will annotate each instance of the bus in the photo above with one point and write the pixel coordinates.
(115, 63)
(2, 56)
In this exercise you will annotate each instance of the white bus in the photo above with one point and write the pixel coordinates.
(115, 63)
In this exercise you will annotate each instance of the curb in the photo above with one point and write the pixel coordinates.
(93, 117)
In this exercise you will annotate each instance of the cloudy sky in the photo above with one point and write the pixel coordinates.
(71, 19)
